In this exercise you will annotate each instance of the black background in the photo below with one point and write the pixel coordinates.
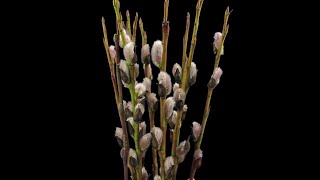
(83, 110)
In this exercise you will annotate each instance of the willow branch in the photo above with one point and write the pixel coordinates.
(128, 24)
(210, 90)
(186, 71)
(165, 36)
(185, 40)
(163, 125)
(143, 33)
(135, 23)
(110, 61)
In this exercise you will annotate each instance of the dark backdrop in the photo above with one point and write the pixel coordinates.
(86, 117)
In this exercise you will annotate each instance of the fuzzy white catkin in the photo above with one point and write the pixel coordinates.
(119, 133)
(145, 141)
(145, 51)
(128, 51)
(169, 105)
(175, 87)
(127, 39)
(158, 134)
(141, 107)
(176, 67)
(217, 41)
(140, 89)
(196, 130)
(193, 70)
(198, 154)
(156, 53)
(168, 163)
(165, 79)
(112, 52)
(217, 73)
(136, 68)
(147, 84)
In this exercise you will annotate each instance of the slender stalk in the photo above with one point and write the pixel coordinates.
(163, 125)
(193, 170)
(185, 40)
(186, 63)
(205, 117)
(225, 30)
(110, 61)
(135, 124)
(148, 74)
(119, 20)
(118, 97)
(135, 23)
(186, 71)
(210, 90)
(128, 25)
(175, 142)
(176, 133)
(154, 150)
(143, 33)
(165, 36)
(203, 125)
(163, 67)
(121, 110)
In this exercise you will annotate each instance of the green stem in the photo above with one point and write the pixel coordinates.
(128, 25)
(175, 142)
(135, 124)
(165, 36)
(163, 123)
(186, 70)
(185, 40)
(205, 117)
(154, 150)
(119, 20)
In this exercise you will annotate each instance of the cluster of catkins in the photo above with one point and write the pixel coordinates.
(144, 94)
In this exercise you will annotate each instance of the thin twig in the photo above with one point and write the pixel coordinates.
(121, 110)
(128, 25)
(163, 66)
(110, 61)
(163, 125)
(119, 20)
(165, 36)
(135, 23)
(210, 90)
(175, 142)
(186, 71)
(143, 33)
(118, 97)
(185, 40)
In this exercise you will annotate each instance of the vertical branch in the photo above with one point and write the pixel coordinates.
(128, 23)
(163, 66)
(154, 150)
(185, 40)
(186, 70)
(143, 33)
(148, 74)
(165, 36)
(110, 61)
(121, 110)
(175, 143)
(225, 31)
(210, 90)
(135, 23)
(116, 7)
(118, 96)
(163, 125)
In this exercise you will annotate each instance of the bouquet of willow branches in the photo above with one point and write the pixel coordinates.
(172, 109)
